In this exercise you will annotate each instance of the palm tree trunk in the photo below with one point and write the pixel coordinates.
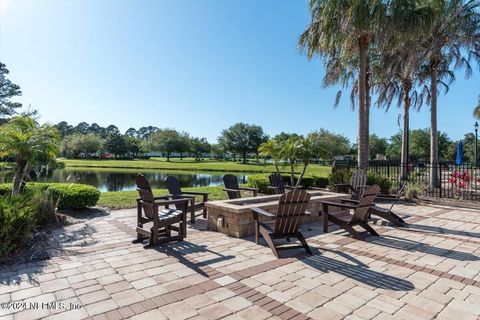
(20, 170)
(276, 166)
(367, 107)
(434, 179)
(406, 131)
(292, 172)
(362, 118)
(4, 168)
(305, 164)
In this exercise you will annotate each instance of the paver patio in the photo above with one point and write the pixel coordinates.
(431, 270)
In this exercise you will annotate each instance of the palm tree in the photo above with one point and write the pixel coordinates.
(453, 40)
(342, 32)
(271, 148)
(23, 139)
(293, 150)
(476, 111)
(399, 64)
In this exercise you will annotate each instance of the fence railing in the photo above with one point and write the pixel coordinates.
(444, 180)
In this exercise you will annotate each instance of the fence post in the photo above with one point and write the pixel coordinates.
(440, 175)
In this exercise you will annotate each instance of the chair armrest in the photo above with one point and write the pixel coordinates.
(339, 205)
(248, 189)
(196, 193)
(293, 188)
(272, 187)
(342, 184)
(166, 197)
(165, 202)
(258, 211)
(183, 195)
(350, 200)
(231, 190)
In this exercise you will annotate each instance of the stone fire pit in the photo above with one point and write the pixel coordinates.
(234, 217)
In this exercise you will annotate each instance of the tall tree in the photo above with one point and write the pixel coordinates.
(341, 32)
(116, 144)
(243, 139)
(199, 146)
(144, 133)
(131, 132)
(28, 142)
(167, 141)
(133, 145)
(453, 40)
(419, 145)
(83, 145)
(96, 129)
(400, 63)
(112, 130)
(7, 90)
(82, 128)
(64, 129)
(377, 146)
(326, 145)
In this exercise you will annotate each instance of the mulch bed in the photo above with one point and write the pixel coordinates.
(458, 203)
(35, 250)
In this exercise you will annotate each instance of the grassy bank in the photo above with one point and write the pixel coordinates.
(189, 164)
(126, 199)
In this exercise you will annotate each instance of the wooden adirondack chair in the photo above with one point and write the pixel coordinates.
(233, 189)
(291, 208)
(148, 211)
(357, 184)
(345, 219)
(174, 188)
(277, 185)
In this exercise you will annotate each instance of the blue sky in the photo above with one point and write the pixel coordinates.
(195, 65)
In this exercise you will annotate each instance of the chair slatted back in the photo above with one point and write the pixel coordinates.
(231, 182)
(365, 202)
(173, 185)
(358, 179)
(146, 194)
(276, 181)
(291, 204)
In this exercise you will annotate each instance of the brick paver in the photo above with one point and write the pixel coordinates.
(430, 270)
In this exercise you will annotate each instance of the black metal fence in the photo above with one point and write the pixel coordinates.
(444, 180)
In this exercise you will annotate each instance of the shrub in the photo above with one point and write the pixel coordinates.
(69, 196)
(339, 176)
(320, 182)
(17, 220)
(383, 182)
(259, 181)
(45, 204)
(412, 190)
(74, 196)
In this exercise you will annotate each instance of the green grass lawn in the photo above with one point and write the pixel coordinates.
(126, 199)
(189, 164)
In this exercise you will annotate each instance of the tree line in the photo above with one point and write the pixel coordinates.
(240, 141)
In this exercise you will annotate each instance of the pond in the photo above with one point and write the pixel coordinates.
(124, 179)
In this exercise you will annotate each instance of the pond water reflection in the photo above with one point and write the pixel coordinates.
(124, 179)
